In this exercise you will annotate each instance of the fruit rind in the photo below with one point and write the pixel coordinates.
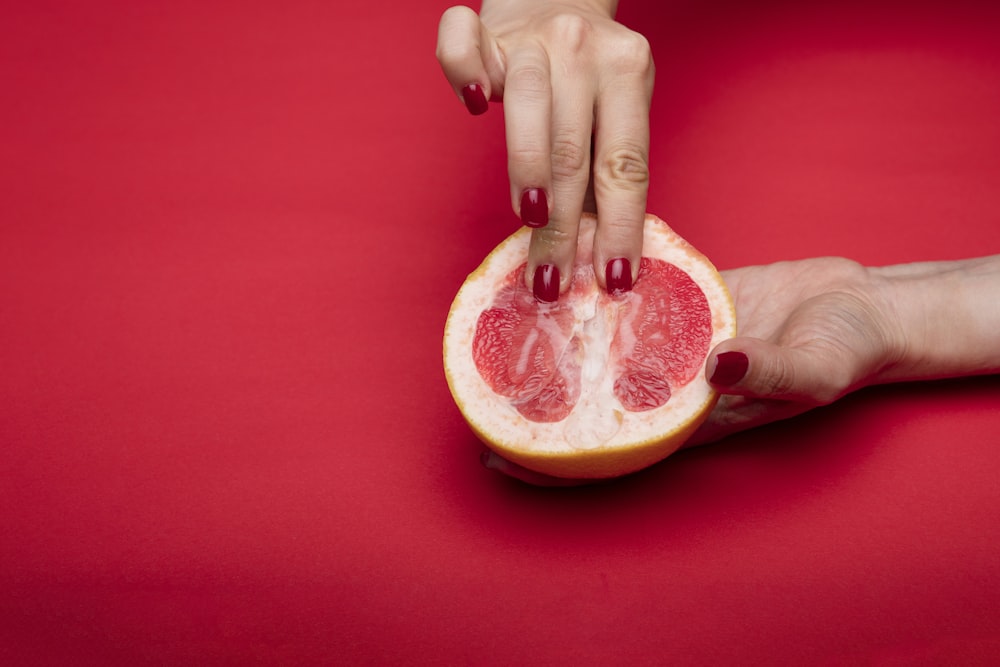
(641, 441)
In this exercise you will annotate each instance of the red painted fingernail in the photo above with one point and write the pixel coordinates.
(546, 284)
(475, 99)
(486, 458)
(534, 208)
(618, 275)
(730, 367)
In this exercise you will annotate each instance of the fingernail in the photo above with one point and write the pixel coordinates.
(618, 275)
(475, 99)
(730, 367)
(486, 458)
(546, 283)
(534, 208)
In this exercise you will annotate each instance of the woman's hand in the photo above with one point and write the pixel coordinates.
(568, 74)
(811, 331)
(814, 330)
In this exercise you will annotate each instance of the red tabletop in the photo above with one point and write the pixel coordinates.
(229, 237)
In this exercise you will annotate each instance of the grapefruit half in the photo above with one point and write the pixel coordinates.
(595, 385)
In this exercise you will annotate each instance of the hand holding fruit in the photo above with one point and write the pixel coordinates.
(568, 74)
(810, 332)
(814, 330)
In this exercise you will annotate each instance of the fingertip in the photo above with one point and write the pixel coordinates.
(728, 368)
(552, 249)
(457, 12)
(534, 208)
(618, 250)
(546, 285)
(474, 97)
(489, 460)
(455, 21)
(760, 369)
(618, 277)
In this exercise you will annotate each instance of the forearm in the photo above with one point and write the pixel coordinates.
(946, 318)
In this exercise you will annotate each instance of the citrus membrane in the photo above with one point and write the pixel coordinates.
(593, 385)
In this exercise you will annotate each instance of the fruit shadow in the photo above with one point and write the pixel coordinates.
(745, 479)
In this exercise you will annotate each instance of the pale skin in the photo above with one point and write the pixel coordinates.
(567, 73)
(811, 331)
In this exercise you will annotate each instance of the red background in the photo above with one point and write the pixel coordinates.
(229, 237)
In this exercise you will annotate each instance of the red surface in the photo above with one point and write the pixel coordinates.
(229, 236)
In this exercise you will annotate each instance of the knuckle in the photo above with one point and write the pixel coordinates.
(620, 227)
(824, 378)
(569, 158)
(527, 154)
(529, 79)
(777, 378)
(552, 236)
(457, 13)
(632, 54)
(572, 31)
(553, 240)
(832, 385)
(626, 167)
(454, 45)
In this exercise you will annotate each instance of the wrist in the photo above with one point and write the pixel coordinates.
(942, 319)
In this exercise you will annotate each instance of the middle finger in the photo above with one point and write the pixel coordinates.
(572, 125)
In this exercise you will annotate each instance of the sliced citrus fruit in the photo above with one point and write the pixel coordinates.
(595, 385)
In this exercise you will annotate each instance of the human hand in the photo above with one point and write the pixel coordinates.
(814, 330)
(810, 332)
(568, 74)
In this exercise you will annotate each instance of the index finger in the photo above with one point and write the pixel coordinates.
(528, 123)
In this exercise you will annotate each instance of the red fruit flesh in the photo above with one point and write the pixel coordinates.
(525, 351)
(532, 353)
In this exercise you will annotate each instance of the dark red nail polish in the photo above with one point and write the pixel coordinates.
(486, 458)
(475, 99)
(546, 284)
(534, 208)
(730, 367)
(618, 275)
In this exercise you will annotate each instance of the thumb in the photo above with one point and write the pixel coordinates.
(759, 369)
